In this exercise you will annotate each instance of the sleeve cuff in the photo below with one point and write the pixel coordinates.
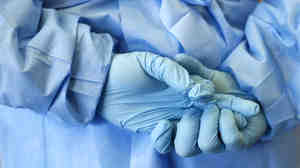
(79, 97)
(266, 84)
(89, 69)
(280, 116)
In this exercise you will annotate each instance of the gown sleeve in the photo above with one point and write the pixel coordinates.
(267, 62)
(50, 61)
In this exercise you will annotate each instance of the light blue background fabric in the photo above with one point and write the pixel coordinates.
(263, 57)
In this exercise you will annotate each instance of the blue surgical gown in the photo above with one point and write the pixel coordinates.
(55, 56)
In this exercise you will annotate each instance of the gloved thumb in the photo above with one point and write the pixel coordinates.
(223, 81)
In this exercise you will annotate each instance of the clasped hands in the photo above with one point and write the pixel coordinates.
(181, 103)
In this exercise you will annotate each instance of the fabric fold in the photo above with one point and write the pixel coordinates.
(62, 68)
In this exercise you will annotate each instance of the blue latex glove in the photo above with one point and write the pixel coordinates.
(238, 120)
(239, 126)
(144, 89)
(188, 127)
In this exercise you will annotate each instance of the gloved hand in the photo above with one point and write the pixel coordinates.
(144, 89)
(188, 128)
(238, 126)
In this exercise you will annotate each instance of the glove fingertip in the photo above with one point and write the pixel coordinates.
(161, 136)
(230, 134)
(250, 108)
(246, 107)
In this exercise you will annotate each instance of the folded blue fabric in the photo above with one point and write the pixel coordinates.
(263, 58)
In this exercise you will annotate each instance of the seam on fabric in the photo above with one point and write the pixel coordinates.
(44, 53)
(183, 16)
(279, 100)
(282, 120)
(266, 77)
(86, 80)
(272, 26)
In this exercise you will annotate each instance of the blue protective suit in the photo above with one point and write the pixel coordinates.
(44, 77)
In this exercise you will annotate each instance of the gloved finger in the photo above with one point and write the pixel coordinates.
(223, 81)
(255, 129)
(194, 66)
(161, 136)
(208, 140)
(230, 134)
(235, 138)
(187, 134)
(240, 120)
(174, 75)
(246, 107)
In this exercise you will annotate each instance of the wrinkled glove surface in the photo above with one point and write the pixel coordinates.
(149, 93)
(143, 89)
(232, 122)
